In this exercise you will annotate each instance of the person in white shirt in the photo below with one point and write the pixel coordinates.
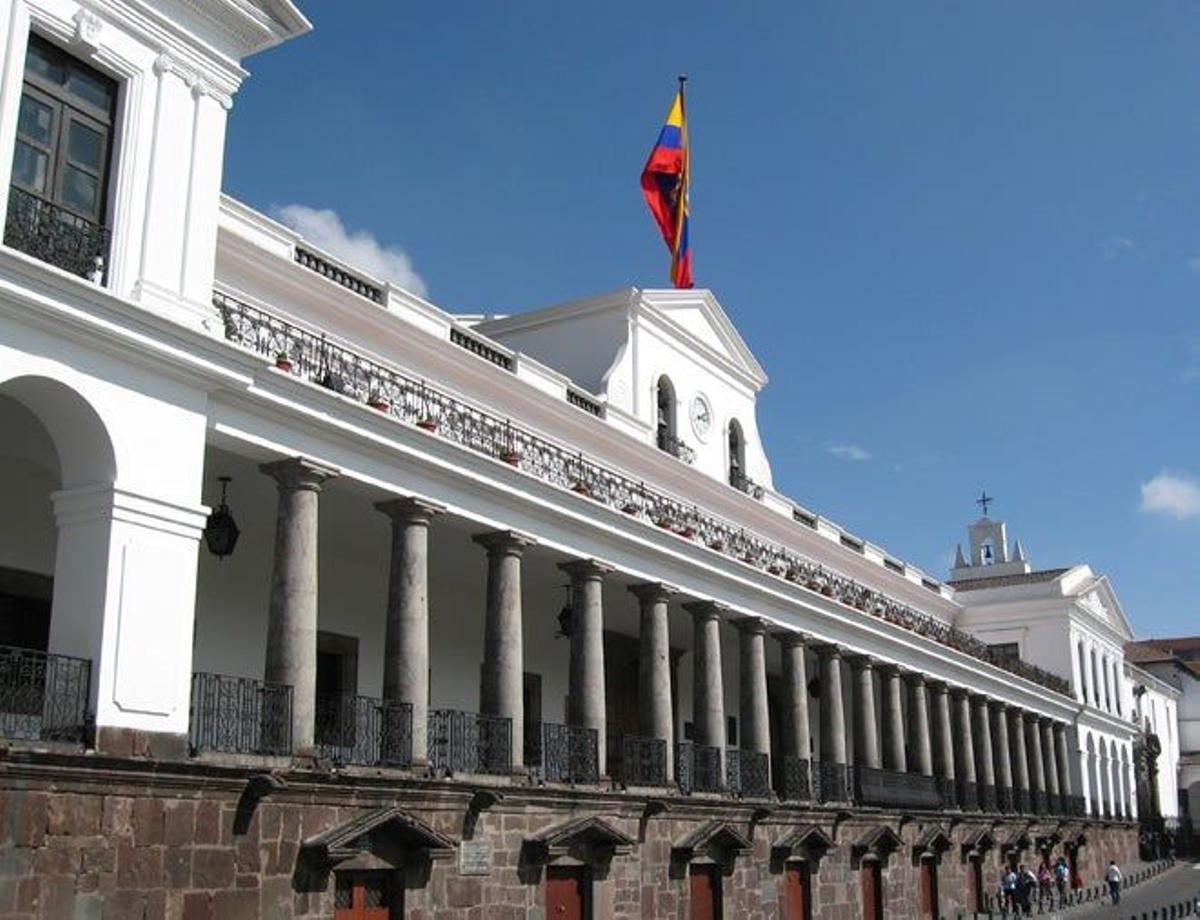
(1113, 877)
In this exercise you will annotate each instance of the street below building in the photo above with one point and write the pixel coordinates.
(1174, 887)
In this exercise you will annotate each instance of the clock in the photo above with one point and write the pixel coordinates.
(700, 413)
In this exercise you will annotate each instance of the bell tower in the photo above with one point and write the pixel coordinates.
(989, 550)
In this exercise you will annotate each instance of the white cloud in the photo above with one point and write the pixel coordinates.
(1171, 494)
(850, 452)
(1117, 246)
(358, 248)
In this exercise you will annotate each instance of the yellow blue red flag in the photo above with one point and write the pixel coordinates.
(665, 188)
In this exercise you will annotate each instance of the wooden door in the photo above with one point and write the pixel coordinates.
(872, 889)
(798, 891)
(929, 887)
(975, 883)
(367, 896)
(566, 893)
(706, 892)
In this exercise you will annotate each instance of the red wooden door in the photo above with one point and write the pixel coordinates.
(566, 893)
(798, 891)
(367, 896)
(706, 892)
(975, 881)
(929, 888)
(872, 889)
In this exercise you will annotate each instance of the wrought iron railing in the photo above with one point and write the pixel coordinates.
(1075, 805)
(316, 358)
(1054, 804)
(43, 697)
(1022, 801)
(643, 761)
(697, 767)
(562, 753)
(748, 773)
(744, 483)
(795, 784)
(467, 742)
(240, 715)
(987, 797)
(53, 234)
(1040, 804)
(968, 795)
(832, 781)
(676, 447)
(1004, 799)
(892, 789)
(947, 790)
(363, 730)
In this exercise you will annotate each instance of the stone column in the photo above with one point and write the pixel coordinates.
(833, 714)
(794, 708)
(585, 688)
(943, 740)
(752, 686)
(918, 725)
(656, 719)
(985, 764)
(1049, 757)
(1016, 748)
(1002, 770)
(292, 613)
(894, 757)
(501, 691)
(866, 726)
(708, 688)
(964, 754)
(406, 628)
(1063, 757)
(1033, 747)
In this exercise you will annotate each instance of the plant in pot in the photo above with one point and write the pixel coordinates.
(686, 530)
(282, 361)
(377, 400)
(630, 507)
(427, 421)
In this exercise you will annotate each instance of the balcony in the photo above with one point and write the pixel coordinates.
(676, 447)
(831, 782)
(890, 789)
(43, 697)
(697, 768)
(364, 731)
(1004, 799)
(748, 773)
(796, 782)
(239, 715)
(466, 742)
(968, 795)
(643, 761)
(54, 235)
(562, 753)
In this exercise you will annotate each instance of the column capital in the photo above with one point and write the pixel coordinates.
(978, 697)
(706, 610)
(504, 542)
(653, 592)
(790, 638)
(960, 693)
(585, 569)
(751, 624)
(997, 705)
(828, 650)
(889, 668)
(916, 678)
(860, 661)
(410, 509)
(937, 685)
(299, 473)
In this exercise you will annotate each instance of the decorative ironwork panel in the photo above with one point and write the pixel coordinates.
(43, 697)
(987, 797)
(947, 791)
(315, 358)
(240, 715)
(1021, 801)
(53, 234)
(968, 795)
(1040, 804)
(1053, 804)
(697, 767)
(564, 754)
(1004, 798)
(831, 781)
(363, 730)
(889, 788)
(747, 773)
(796, 782)
(466, 742)
(643, 761)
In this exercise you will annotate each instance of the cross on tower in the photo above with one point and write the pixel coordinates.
(984, 500)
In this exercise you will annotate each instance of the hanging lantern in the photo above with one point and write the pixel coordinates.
(221, 531)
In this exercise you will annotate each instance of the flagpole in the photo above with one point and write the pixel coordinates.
(683, 178)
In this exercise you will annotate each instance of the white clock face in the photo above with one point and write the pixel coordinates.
(701, 415)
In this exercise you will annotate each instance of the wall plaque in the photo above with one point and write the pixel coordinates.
(474, 858)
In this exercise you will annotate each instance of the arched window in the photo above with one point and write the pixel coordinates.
(737, 456)
(665, 401)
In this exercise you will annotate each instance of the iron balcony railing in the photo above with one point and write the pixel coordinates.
(987, 797)
(697, 767)
(43, 697)
(467, 742)
(831, 781)
(240, 715)
(744, 483)
(562, 753)
(947, 790)
(748, 773)
(795, 785)
(1075, 806)
(968, 795)
(1041, 804)
(316, 358)
(1004, 799)
(676, 447)
(53, 234)
(643, 761)
(363, 730)
(1022, 802)
(891, 789)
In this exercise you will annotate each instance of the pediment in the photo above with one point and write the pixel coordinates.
(879, 841)
(716, 835)
(698, 314)
(386, 830)
(933, 839)
(591, 833)
(1096, 600)
(804, 841)
(979, 841)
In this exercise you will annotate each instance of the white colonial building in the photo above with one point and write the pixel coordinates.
(317, 599)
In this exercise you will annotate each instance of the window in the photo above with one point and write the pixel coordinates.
(366, 896)
(57, 202)
(665, 401)
(1007, 650)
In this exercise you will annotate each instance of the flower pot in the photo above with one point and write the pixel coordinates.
(380, 405)
(428, 424)
(664, 523)
(718, 545)
(630, 508)
(283, 364)
(827, 590)
(511, 457)
(581, 488)
(687, 532)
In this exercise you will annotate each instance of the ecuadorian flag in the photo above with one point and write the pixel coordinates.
(665, 188)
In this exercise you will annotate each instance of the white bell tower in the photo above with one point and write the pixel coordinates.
(989, 549)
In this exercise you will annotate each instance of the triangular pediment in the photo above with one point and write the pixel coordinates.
(804, 841)
(384, 830)
(979, 841)
(716, 835)
(879, 841)
(592, 833)
(933, 839)
(700, 317)
(1096, 600)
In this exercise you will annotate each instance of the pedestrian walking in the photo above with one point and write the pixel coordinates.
(1113, 877)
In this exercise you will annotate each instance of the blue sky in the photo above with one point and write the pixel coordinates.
(963, 238)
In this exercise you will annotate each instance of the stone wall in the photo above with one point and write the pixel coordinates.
(94, 838)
